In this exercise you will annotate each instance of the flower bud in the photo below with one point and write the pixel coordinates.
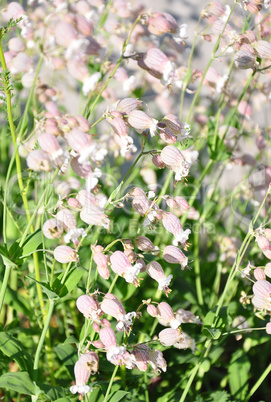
(127, 105)
(174, 255)
(86, 305)
(157, 161)
(38, 160)
(173, 123)
(16, 45)
(65, 254)
(108, 337)
(244, 59)
(268, 328)
(262, 49)
(78, 140)
(152, 310)
(267, 270)
(67, 218)
(73, 203)
(48, 143)
(169, 336)
(52, 229)
(145, 244)
(160, 24)
(140, 121)
(259, 274)
(84, 124)
(102, 264)
(65, 33)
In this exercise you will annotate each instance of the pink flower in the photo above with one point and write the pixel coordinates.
(89, 308)
(175, 161)
(170, 336)
(65, 254)
(84, 367)
(121, 265)
(140, 121)
(259, 274)
(174, 255)
(102, 264)
(262, 295)
(114, 308)
(145, 244)
(173, 225)
(156, 272)
(52, 229)
(166, 315)
(116, 355)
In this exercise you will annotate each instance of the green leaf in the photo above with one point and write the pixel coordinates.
(19, 382)
(46, 289)
(68, 355)
(117, 396)
(17, 301)
(71, 281)
(15, 350)
(32, 242)
(6, 258)
(220, 396)
(52, 393)
(239, 369)
(71, 339)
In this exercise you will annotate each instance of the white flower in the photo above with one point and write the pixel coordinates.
(90, 82)
(92, 179)
(132, 272)
(168, 73)
(164, 283)
(183, 170)
(153, 127)
(81, 389)
(181, 237)
(77, 46)
(74, 234)
(182, 34)
(126, 321)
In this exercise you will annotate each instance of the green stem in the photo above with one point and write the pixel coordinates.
(110, 384)
(186, 81)
(259, 382)
(23, 122)
(197, 187)
(197, 268)
(117, 190)
(89, 109)
(113, 284)
(37, 209)
(4, 285)
(43, 336)
(207, 67)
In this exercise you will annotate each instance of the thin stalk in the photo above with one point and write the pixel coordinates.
(43, 336)
(30, 223)
(13, 136)
(110, 384)
(23, 121)
(197, 187)
(117, 190)
(208, 65)
(89, 109)
(209, 342)
(4, 285)
(186, 82)
(89, 273)
(197, 268)
(113, 284)
(259, 382)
